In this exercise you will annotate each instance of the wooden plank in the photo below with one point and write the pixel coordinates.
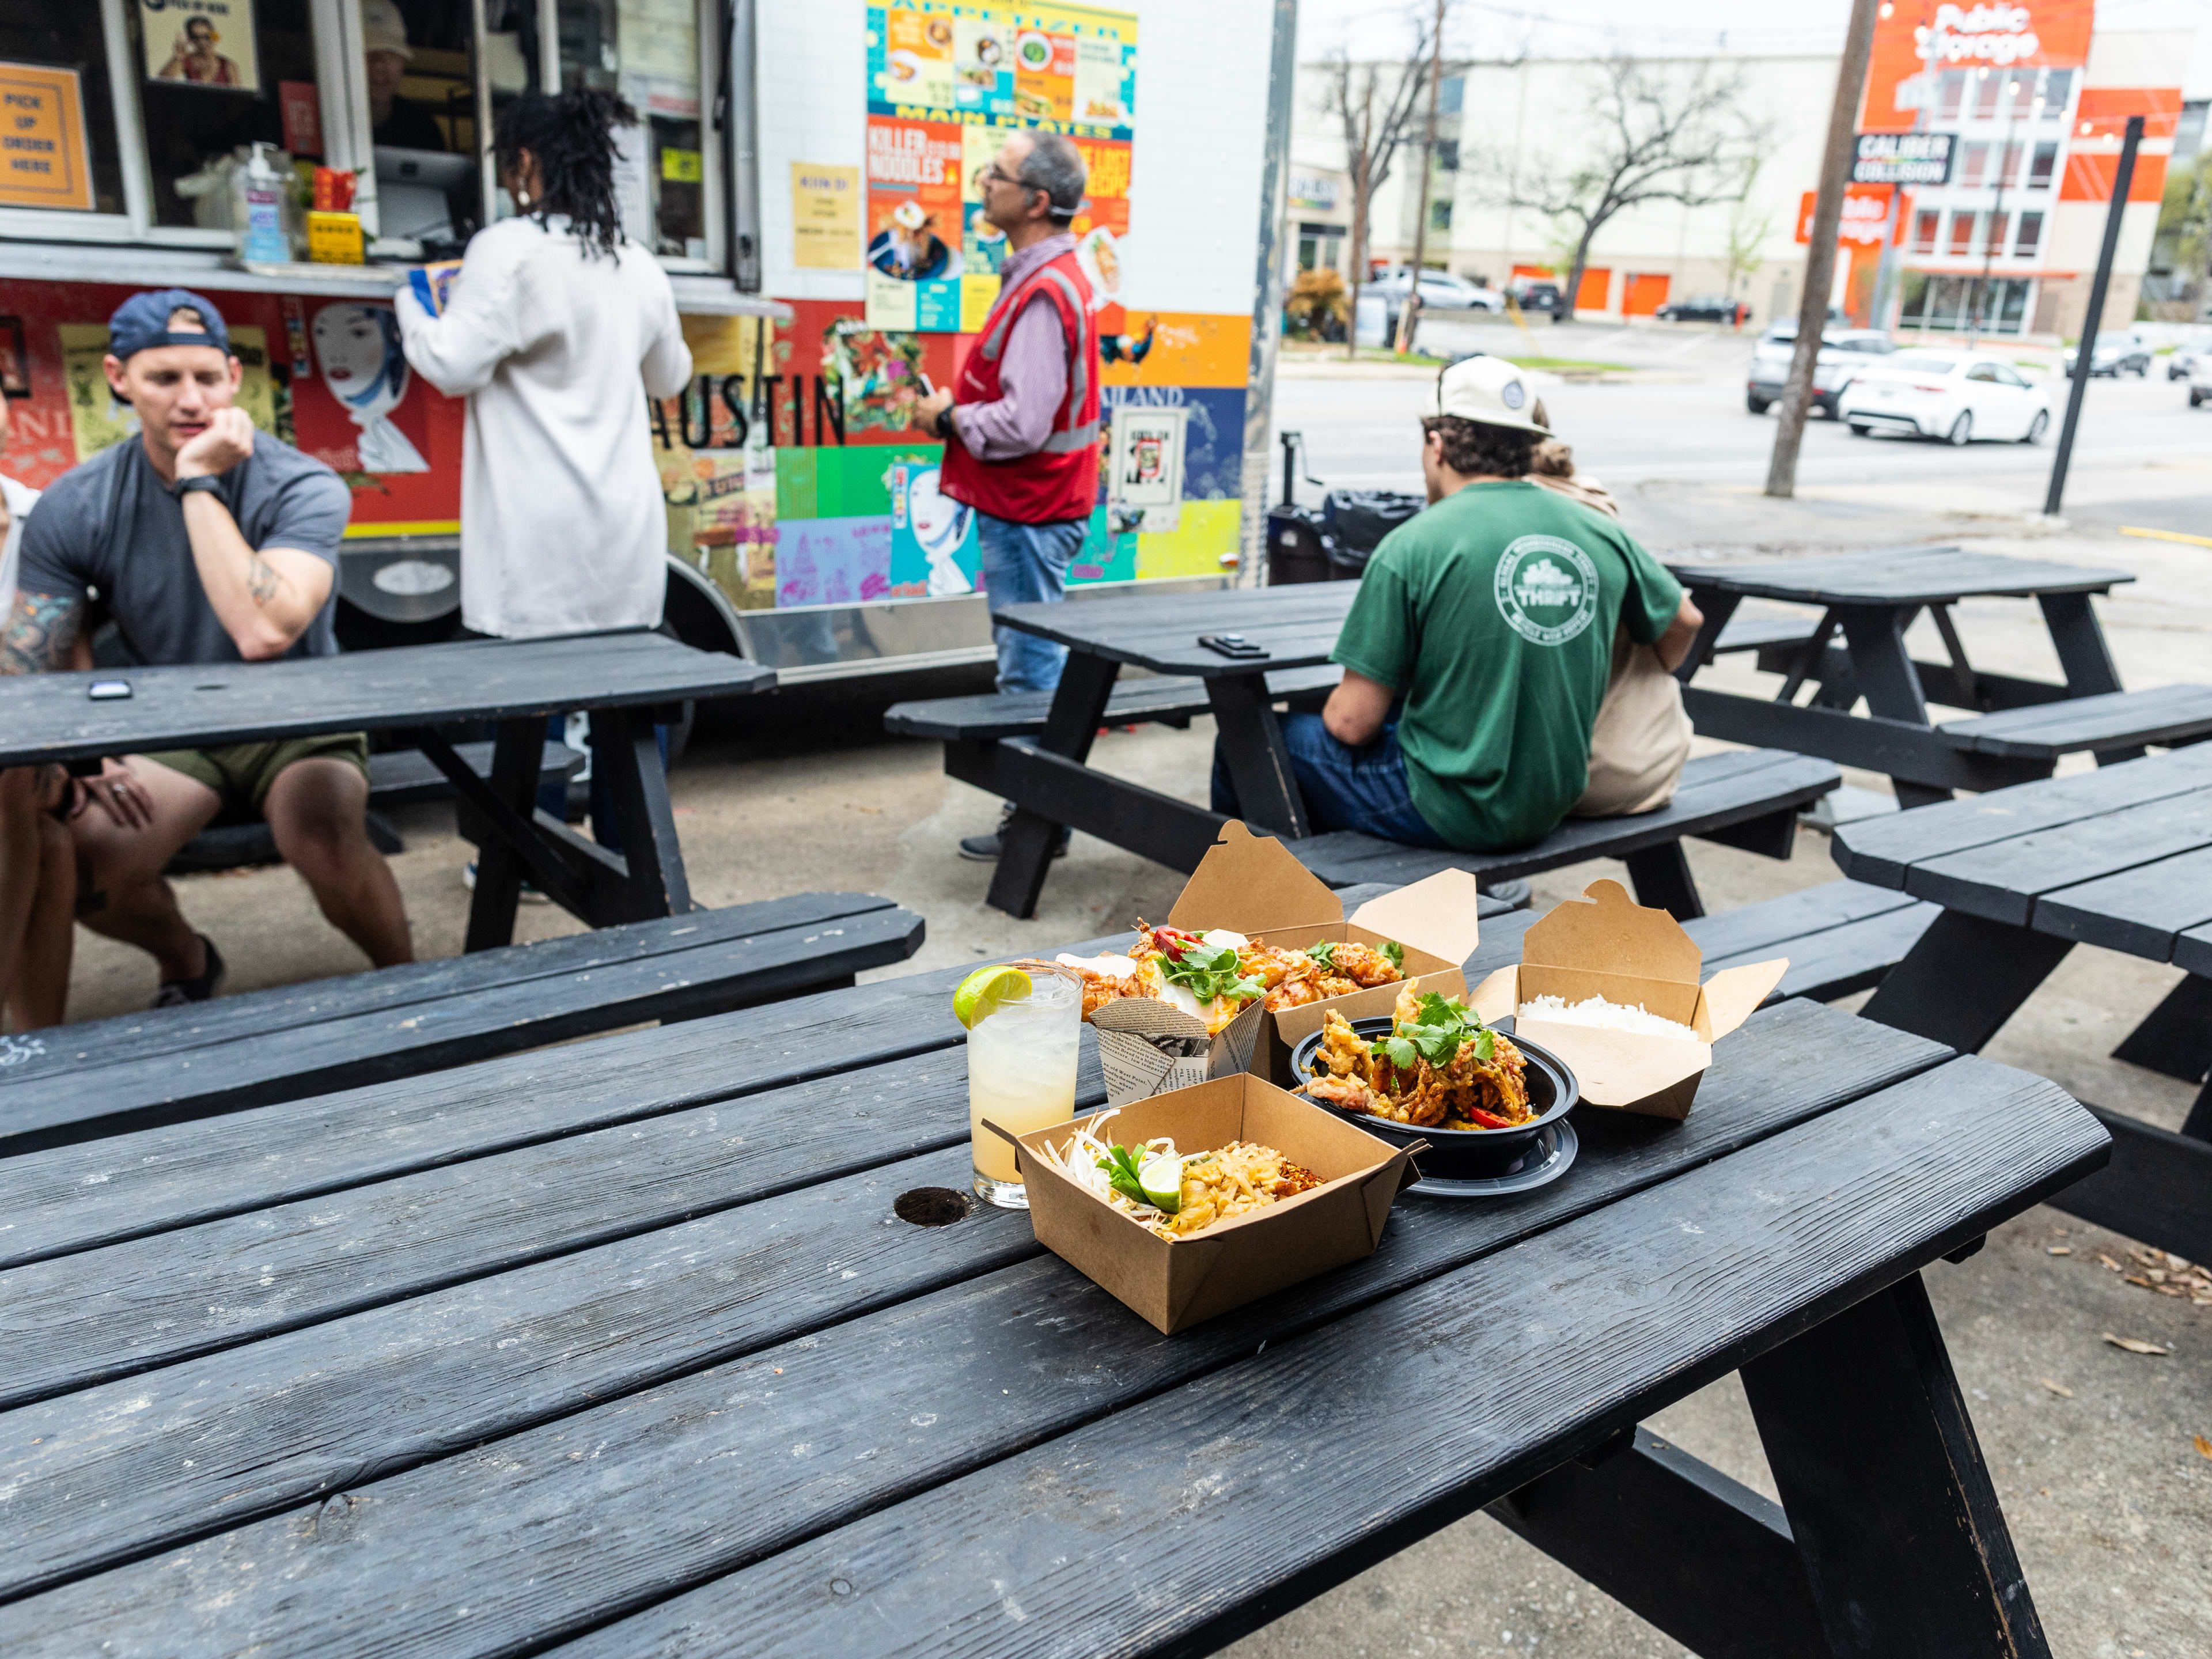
(415, 1038)
(2115, 720)
(48, 717)
(406, 774)
(2002, 880)
(1762, 632)
(1775, 923)
(1218, 1507)
(2141, 911)
(1914, 575)
(1881, 849)
(1903, 749)
(1022, 714)
(2154, 1190)
(879, 1406)
(2193, 951)
(1840, 961)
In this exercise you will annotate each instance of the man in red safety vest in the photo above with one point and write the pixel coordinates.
(1021, 427)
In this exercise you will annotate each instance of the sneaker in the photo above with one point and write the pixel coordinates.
(176, 992)
(984, 849)
(530, 894)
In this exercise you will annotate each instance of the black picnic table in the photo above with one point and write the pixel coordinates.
(2120, 858)
(631, 1348)
(1750, 800)
(628, 679)
(1857, 649)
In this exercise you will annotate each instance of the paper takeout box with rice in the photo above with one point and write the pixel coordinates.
(1175, 1283)
(1251, 885)
(1605, 945)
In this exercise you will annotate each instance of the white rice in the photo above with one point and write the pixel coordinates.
(1596, 1011)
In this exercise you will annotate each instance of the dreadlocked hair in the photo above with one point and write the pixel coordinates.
(571, 135)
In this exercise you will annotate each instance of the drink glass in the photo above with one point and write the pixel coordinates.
(1021, 1074)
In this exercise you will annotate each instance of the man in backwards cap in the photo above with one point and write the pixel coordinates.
(209, 542)
(1477, 653)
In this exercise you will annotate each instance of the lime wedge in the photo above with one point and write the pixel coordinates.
(1162, 1179)
(985, 991)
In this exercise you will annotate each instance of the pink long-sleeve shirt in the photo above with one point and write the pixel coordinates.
(1032, 370)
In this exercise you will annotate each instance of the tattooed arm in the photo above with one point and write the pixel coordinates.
(265, 598)
(40, 633)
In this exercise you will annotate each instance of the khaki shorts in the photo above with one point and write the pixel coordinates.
(241, 772)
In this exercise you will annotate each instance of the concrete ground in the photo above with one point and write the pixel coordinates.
(2095, 1450)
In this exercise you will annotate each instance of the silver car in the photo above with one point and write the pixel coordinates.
(1846, 352)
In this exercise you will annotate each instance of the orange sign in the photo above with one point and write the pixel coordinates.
(44, 161)
(1866, 209)
(1913, 38)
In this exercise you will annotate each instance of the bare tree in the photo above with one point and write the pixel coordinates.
(1655, 133)
(1374, 104)
(1748, 227)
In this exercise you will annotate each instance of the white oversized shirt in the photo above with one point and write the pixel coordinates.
(563, 525)
(19, 498)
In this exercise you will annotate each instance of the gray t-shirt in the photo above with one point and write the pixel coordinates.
(111, 523)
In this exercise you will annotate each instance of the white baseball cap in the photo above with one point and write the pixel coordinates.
(1489, 390)
(383, 29)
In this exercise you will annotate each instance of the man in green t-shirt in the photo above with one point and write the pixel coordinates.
(1477, 653)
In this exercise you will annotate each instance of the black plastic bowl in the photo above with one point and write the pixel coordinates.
(1459, 1154)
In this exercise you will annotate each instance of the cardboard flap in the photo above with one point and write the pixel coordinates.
(1439, 914)
(1249, 883)
(1617, 1069)
(1608, 928)
(1733, 994)
(1380, 1190)
(1498, 997)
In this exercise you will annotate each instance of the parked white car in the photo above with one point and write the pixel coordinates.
(1440, 291)
(1955, 395)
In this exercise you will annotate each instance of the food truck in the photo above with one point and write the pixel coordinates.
(807, 175)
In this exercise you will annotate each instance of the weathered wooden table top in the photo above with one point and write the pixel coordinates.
(624, 1345)
(52, 717)
(1297, 626)
(1896, 576)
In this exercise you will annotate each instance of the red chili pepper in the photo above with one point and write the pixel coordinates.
(1486, 1120)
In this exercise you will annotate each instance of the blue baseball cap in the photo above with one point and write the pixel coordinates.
(142, 320)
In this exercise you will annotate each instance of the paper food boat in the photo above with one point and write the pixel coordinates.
(1175, 1283)
(1606, 944)
(1253, 885)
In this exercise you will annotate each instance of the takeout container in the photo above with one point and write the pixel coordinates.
(1606, 944)
(1174, 1284)
(1458, 1154)
(1253, 885)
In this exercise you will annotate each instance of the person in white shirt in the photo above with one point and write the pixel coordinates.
(38, 868)
(557, 330)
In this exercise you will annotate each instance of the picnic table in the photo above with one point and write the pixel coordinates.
(1044, 772)
(654, 1345)
(1857, 649)
(629, 680)
(2120, 858)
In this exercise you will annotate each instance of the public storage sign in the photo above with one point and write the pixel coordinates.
(1252, 885)
(1606, 944)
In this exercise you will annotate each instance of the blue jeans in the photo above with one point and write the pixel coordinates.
(553, 797)
(1345, 788)
(1024, 562)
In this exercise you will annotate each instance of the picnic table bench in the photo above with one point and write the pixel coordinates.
(105, 1077)
(2120, 858)
(626, 1348)
(630, 679)
(1857, 649)
(1034, 751)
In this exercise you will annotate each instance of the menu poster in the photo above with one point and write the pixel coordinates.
(43, 160)
(826, 216)
(1073, 66)
(201, 43)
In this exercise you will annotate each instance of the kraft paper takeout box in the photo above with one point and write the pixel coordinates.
(1606, 944)
(1252, 885)
(1175, 1283)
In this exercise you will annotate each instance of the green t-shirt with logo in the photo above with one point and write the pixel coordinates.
(1492, 614)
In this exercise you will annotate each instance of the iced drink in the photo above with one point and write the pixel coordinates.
(1021, 1073)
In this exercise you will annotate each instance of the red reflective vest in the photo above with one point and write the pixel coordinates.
(1060, 481)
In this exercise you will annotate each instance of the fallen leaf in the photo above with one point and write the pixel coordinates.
(2060, 1250)
(2058, 1388)
(2134, 1344)
(2203, 1447)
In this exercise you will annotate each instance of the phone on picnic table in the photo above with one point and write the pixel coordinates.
(107, 691)
(1231, 645)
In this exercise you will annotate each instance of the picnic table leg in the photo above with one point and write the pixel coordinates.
(625, 742)
(2083, 655)
(1883, 672)
(1964, 980)
(1887, 1496)
(1070, 728)
(1663, 882)
(2175, 1038)
(1716, 607)
(519, 746)
(1268, 795)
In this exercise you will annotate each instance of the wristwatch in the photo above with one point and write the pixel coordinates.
(207, 480)
(941, 425)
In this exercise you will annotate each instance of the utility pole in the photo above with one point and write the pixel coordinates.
(1821, 252)
(1268, 294)
(1409, 313)
(2085, 353)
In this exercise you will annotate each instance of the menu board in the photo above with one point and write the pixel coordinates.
(946, 84)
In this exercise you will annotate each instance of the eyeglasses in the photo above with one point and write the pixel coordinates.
(993, 175)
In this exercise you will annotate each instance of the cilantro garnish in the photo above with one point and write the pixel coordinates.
(1396, 953)
(1323, 951)
(1208, 971)
(1440, 1027)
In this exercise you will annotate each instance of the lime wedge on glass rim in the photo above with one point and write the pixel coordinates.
(1161, 1178)
(985, 991)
